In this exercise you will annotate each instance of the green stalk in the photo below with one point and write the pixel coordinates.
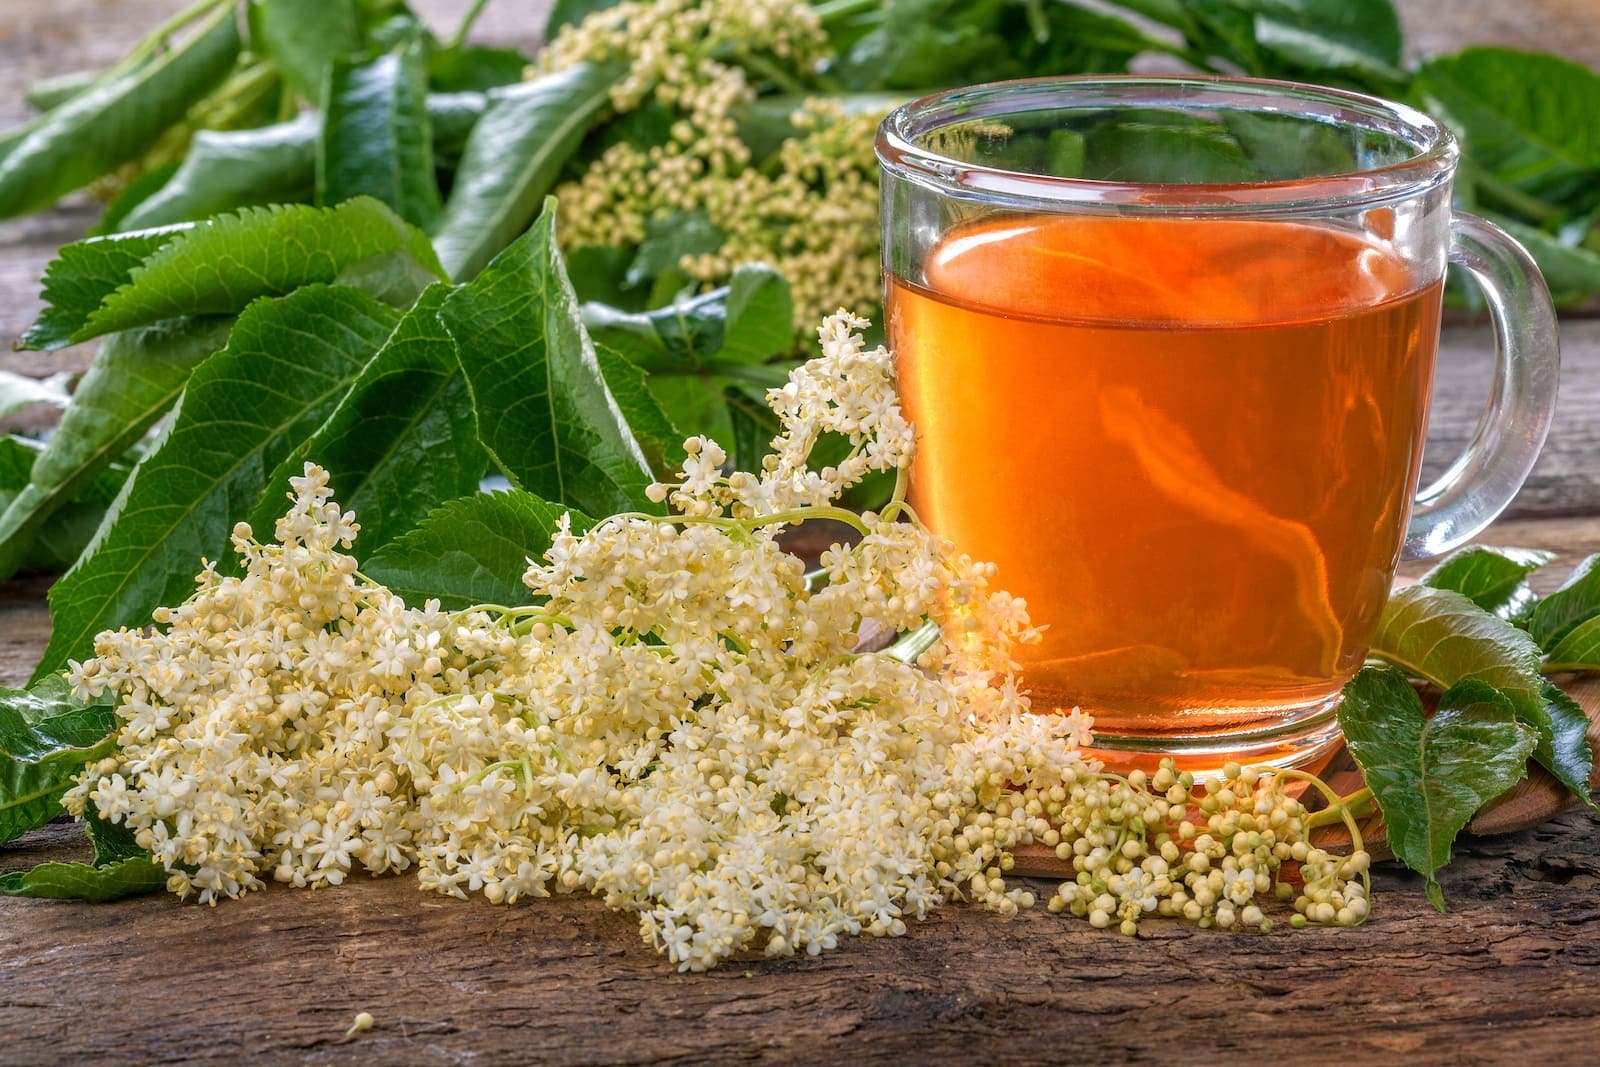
(459, 38)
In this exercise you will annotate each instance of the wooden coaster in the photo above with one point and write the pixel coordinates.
(1532, 801)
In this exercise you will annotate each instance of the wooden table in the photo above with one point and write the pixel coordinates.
(1512, 971)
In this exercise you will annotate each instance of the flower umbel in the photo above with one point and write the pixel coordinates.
(680, 722)
(810, 209)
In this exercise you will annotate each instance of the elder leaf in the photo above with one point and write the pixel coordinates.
(512, 159)
(1526, 118)
(376, 139)
(1495, 579)
(1430, 775)
(304, 37)
(135, 377)
(224, 170)
(81, 276)
(286, 366)
(81, 881)
(1579, 650)
(219, 267)
(45, 737)
(543, 409)
(117, 120)
(471, 551)
(401, 440)
(746, 322)
(1576, 602)
(630, 387)
(65, 533)
(1441, 636)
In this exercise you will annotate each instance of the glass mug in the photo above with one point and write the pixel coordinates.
(1168, 343)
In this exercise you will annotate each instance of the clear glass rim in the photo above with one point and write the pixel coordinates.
(1432, 162)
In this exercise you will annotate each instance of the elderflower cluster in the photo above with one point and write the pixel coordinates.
(810, 211)
(1148, 856)
(678, 720)
(256, 717)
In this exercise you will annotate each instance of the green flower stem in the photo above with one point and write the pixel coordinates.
(1359, 804)
(156, 39)
(459, 38)
(786, 82)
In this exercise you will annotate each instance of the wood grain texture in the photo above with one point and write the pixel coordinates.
(1512, 973)
(1513, 968)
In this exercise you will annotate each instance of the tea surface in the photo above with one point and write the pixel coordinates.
(1191, 445)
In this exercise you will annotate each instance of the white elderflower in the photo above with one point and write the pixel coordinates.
(811, 211)
(680, 724)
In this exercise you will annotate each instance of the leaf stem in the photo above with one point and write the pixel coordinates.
(459, 38)
(1359, 804)
(1410, 668)
(156, 39)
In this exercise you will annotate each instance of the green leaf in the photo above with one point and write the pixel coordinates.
(542, 406)
(224, 170)
(48, 698)
(80, 881)
(1430, 775)
(1495, 579)
(473, 68)
(572, 12)
(1571, 271)
(1579, 650)
(630, 386)
(512, 159)
(453, 116)
(1441, 636)
(65, 533)
(304, 37)
(1284, 147)
(47, 94)
(117, 120)
(135, 377)
(1356, 36)
(401, 440)
(471, 551)
(144, 185)
(1161, 146)
(45, 737)
(1577, 601)
(916, 44)
(286, 366)
(81, 276)
(113, 842)
(597, 271)
(1526, 118)
(377, 140)
(666, 241)
(219, 267)
(744, 323)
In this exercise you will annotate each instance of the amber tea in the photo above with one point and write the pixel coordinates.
(1190, 444)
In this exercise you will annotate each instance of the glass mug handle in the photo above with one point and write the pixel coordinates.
(1522, 400)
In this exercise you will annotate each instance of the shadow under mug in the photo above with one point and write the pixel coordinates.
(1168, 343)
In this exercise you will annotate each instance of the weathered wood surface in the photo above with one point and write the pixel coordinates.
(1512, 972)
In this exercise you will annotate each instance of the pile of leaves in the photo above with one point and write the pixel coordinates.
(1473, 631)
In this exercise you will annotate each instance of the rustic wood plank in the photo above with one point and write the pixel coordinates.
(1512, 971)
(1514, 967)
